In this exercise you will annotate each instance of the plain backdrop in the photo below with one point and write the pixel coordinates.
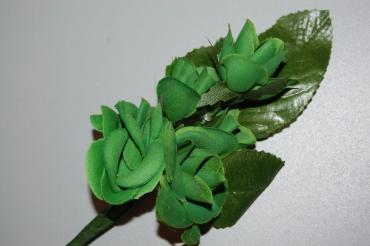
(60, 60)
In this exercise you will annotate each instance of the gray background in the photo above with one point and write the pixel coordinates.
(60, 60)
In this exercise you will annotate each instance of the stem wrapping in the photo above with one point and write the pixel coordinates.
(100, 224)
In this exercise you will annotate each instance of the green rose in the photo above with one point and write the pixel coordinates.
(194, 188)
(193, 191)
(128, 161)
(247, 63)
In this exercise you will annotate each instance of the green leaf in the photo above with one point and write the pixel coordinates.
(248, 172)
(273, 88)
(308, 39)
(205, 56)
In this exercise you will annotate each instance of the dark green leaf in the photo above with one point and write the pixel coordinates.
(205, 56)
(268, 91)
(308, 38)
(248, 172)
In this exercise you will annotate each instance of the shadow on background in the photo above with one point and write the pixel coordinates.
(140, 207)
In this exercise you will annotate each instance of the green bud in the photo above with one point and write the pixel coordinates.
(227, 45)
(244, 65)
(267, 50)
(247, 40)
(240, 73)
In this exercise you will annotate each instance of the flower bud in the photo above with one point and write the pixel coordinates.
(245, 64)
(180, 91)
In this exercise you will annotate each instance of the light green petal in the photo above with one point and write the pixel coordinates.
(169, 210)
(113, 148)
(148, 187)
(247, 40)
(156, 123)
(110, 120)
(183, 70)
(228, 124)
(143, 113)
(123, 168)
(219, 199)
(196, 189)
(169, 147)
(96, 121)
(95, 167)
(242, 74)
(207, 78)
(177, 99)
(246, 136)
(146, 134)
(267, 50)
(131, 155)
(149, 167)
(131, 108)
(212, 172)
(183, 153)
(274, 62)
(192, 163)
(227, 46)
(198, 213)
(177, 185)
(216, 140)
(115, 198)
(131, 125)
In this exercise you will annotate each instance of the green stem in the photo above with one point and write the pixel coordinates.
(101, 224)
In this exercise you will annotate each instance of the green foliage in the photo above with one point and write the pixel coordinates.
(217, 102)
(308, 39)
(248, 172)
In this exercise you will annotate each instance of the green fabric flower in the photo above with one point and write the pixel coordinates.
(194, 189)
(180, 91)
(129, 160)
(229, 122)
(247, 63)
